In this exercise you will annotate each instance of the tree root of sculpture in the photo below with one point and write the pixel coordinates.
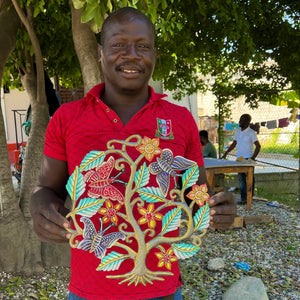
(147, 277)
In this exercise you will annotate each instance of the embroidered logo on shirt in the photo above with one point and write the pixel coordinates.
(164, 129)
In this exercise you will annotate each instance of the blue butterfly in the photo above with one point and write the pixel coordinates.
(97, 242)
(166, 166)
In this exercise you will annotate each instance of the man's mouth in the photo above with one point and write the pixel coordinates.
(130, 69)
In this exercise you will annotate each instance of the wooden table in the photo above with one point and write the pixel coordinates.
(220, 166)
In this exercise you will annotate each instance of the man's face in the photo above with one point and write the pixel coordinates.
(244, 122)
(202, 140)
(128, 54)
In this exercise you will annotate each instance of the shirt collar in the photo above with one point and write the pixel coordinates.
(97, 90)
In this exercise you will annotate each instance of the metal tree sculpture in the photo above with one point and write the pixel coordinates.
(93, 177)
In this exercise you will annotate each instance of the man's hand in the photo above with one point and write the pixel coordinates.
(49, 222)
(224, 155)
(222, 210)
(47, 204)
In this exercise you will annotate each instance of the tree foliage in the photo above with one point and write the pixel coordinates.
(52, 23)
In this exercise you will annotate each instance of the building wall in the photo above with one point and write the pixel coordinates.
(14, 100)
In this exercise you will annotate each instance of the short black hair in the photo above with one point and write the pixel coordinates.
(122, 14)
(203, 133)
(246, 117)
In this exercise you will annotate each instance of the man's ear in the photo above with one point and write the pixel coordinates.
(99, 52)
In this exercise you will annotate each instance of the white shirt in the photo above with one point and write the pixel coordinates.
(245, 140)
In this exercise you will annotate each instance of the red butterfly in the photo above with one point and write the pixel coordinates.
(101, 185)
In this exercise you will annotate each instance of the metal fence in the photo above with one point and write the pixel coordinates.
(277, 169)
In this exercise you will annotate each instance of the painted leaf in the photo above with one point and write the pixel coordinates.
(151, 194)
(111, 262)
(201, 218)
(171, 220)
(190, 177)
(87, 207)
(92, 160)
(75, 185)
(183, 251)
(142, 176)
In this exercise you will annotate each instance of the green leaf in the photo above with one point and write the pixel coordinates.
(19, 281)
(109, 6)
(201, 218)
(183, 251)
(171, 220)
(78, 4)
(88, 207)
(111, 262)
(75, 185)
(151, 195)
(190, 177)
(89, 13)
(92, 160)
(142, 176)
(36, 11)
(98, 16)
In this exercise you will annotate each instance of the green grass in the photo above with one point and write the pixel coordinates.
(286, 199)
(272, 145)
(290, 149)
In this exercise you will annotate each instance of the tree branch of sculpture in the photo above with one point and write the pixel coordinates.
(175, 193)
(125, 143)
(181, 224)
(149, 231)
(169, 240)
(165, 205)
(72, 214)
(74, 235)
(119, 165)
(123, 216)
(196, 240)
(130, 251)
(126, 157)
(128, 234)
(138, 199)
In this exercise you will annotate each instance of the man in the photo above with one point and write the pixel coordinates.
(244, 138)
(209, 149)
(122, 106)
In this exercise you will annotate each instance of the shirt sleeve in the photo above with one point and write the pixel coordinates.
(254, 137)
(54, 146)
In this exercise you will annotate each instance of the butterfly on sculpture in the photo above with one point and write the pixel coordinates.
(167, 166)
(97, 242)
(100, 183)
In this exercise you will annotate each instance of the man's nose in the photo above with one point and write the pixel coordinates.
(131, 51)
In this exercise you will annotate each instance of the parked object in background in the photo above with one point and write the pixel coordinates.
(18, 166)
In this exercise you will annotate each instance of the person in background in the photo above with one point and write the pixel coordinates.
(122, 106)
(244, 139)
(208, 149)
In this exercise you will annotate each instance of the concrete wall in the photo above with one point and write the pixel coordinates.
(279, 183)
(15, 100)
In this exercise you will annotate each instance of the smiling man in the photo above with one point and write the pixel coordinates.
(122, 106)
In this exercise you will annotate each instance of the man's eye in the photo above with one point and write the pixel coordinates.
(143, 46)
(119, 45)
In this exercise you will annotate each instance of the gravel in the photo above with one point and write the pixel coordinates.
(270, 250)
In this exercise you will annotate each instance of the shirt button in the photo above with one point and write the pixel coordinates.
(108, 110)
(115, 120)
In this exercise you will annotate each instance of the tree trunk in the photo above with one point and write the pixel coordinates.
(86, 49)
(13, 228)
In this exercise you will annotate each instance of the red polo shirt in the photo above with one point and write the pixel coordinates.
(87, 125)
